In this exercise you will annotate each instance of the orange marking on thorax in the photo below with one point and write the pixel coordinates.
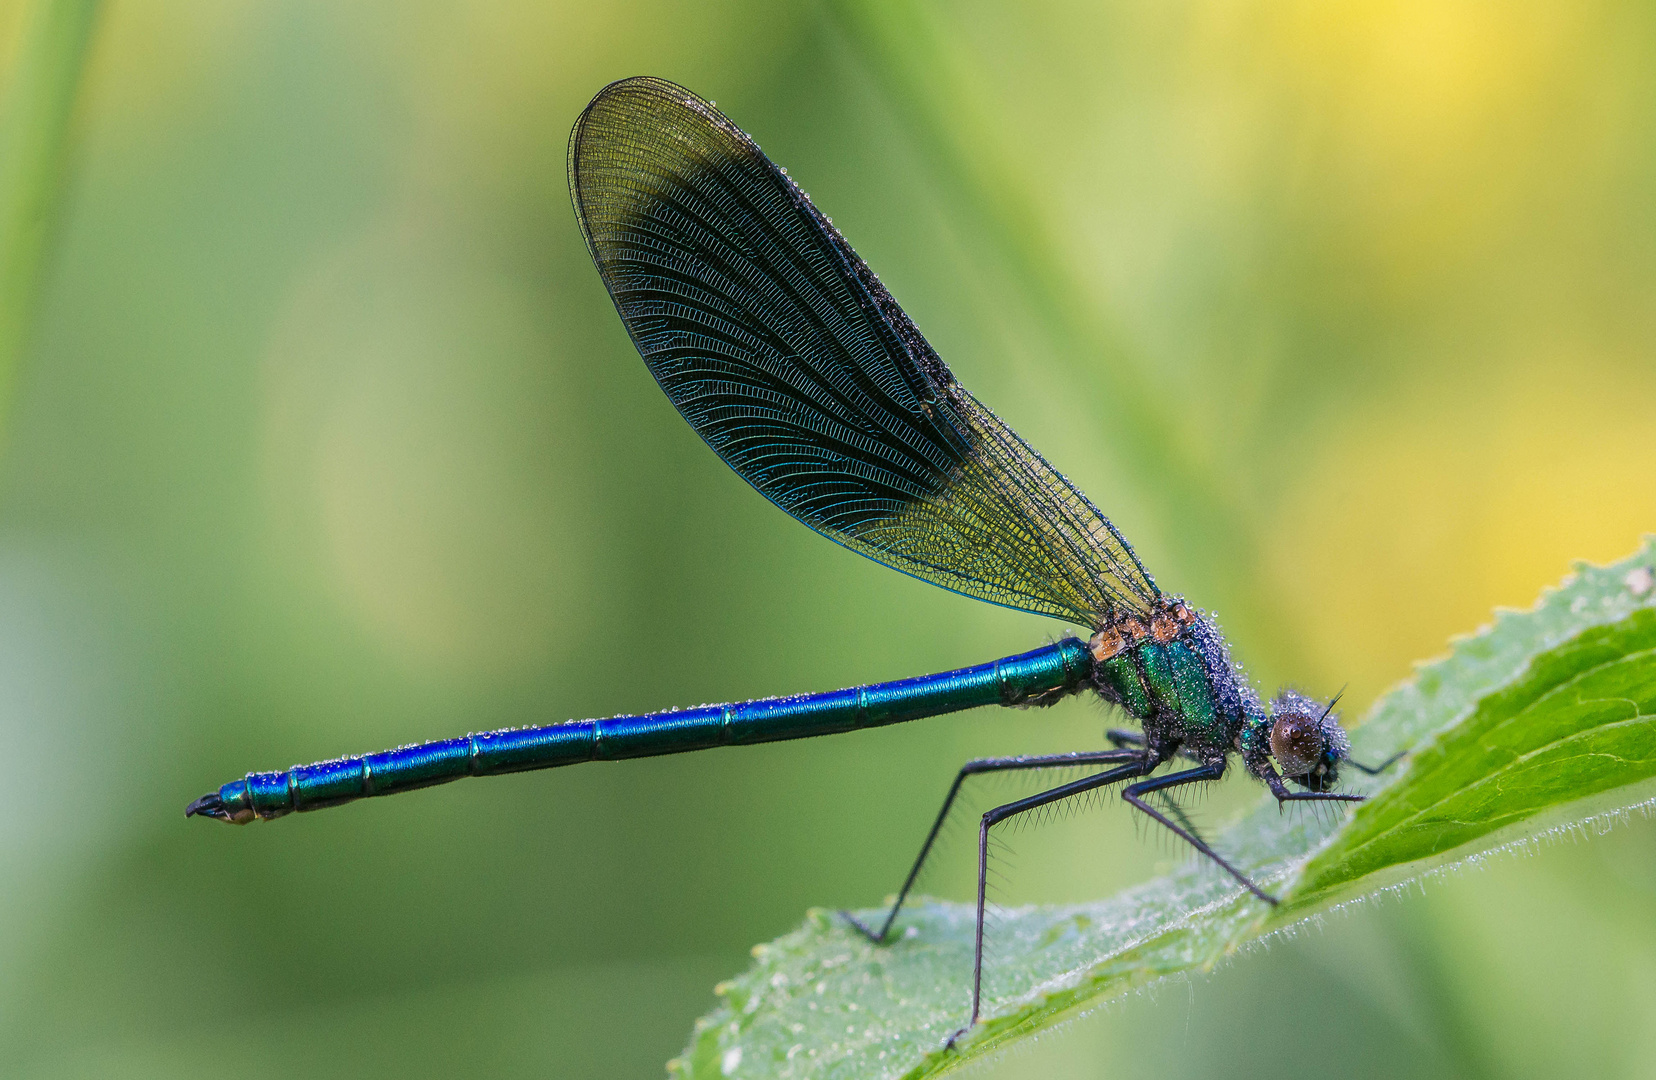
(1117, 638)
(1164, 626)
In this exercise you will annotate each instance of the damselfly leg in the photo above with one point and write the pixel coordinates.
(1134, 795)
(1132, 761)
(1376, 770)
(979, 767)
(1145, 763)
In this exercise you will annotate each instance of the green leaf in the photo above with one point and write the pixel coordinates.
(1539, 722)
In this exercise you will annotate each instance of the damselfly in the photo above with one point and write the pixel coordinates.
(786, 354)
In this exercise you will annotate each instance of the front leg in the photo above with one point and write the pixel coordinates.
(1274, 781)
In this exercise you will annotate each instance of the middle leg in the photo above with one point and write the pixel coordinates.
(977, 768)
(1143, 763)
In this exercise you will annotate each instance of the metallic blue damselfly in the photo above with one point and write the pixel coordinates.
(785, 353)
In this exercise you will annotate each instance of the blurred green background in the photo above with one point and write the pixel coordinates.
(327, 438)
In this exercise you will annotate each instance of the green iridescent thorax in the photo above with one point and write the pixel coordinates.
(1156, 678)
(1171, 673)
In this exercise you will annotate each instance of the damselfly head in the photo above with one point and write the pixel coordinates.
(1307, 740)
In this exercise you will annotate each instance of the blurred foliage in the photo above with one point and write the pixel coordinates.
(327, 439)
(37, 99)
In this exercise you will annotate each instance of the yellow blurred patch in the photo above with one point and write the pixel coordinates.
(1423, 512)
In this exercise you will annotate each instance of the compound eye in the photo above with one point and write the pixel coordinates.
(1297, 743)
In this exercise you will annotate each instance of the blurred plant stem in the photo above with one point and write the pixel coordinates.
(37, 100)
(931, 78)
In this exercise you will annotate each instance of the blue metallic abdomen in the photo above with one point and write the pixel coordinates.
(1033, 678)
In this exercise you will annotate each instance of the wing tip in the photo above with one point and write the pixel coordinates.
(642, 90)
(650, 85)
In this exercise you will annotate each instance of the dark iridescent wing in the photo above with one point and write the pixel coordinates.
(787, 355)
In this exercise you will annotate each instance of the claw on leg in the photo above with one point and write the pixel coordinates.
(858, 925)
